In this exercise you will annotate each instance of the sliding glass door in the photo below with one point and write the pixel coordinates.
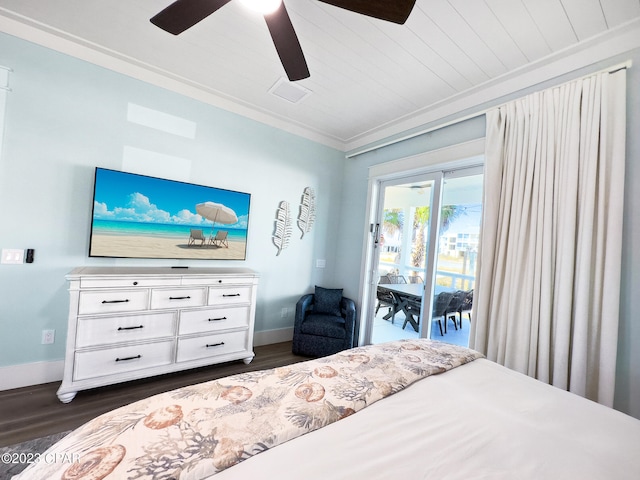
(457, 251)
(425, 244)
(403, 234)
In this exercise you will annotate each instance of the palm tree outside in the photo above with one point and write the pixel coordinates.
(420, 220)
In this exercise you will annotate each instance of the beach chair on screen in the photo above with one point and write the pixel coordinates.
(220, 240)
(196, 236)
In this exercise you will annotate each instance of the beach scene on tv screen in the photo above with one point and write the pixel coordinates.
(136, 216)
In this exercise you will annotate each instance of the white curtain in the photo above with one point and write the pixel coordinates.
(547, 295)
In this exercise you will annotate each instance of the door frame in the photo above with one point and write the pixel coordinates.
(434, 204)
(455, 157)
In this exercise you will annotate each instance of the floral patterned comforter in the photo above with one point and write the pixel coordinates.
(196, 431)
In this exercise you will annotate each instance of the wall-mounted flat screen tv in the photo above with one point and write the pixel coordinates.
(137, 216)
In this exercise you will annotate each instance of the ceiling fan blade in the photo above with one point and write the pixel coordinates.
(391, 11)
(183, 14)
(287, 44)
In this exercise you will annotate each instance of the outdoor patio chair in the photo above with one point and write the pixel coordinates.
(454, 309)
(220, 240)
(385, 298)
(196, 236)
(415, 279)
(467, 305)
(397, 278)
(440, 306)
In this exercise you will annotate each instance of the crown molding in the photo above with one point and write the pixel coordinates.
(57, 40)
(618, 41)
(474, 101)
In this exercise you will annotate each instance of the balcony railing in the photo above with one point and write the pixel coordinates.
(445, 278)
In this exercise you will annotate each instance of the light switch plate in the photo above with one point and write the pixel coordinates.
(12, 256)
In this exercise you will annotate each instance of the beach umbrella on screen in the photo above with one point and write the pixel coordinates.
(217, 213)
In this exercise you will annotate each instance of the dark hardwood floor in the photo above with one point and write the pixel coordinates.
(33, 412)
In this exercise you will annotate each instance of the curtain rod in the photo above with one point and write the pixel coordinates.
(611, 69)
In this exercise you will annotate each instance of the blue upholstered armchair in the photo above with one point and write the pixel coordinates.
(324, 323)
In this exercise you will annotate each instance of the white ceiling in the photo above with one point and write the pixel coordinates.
(369, 79)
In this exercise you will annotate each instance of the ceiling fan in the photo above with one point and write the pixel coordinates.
(183, 14)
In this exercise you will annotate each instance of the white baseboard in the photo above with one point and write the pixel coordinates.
(27, 374)
(267, 337)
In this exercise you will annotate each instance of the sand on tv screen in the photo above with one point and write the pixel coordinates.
(137, 216)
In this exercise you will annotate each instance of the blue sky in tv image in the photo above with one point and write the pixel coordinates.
(131, 204)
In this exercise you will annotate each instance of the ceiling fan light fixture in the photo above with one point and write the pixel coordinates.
(264, 7)
(184, 14)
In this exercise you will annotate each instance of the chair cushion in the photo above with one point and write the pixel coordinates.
(324, 325)
(327, 300)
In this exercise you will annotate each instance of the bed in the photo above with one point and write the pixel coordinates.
(411, 409)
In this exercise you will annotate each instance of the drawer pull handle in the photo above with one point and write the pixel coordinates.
(128, 358)
(130, 328)
(231, 295)
(180, 298)
(116, 301)
(214, 344)
(217, 319)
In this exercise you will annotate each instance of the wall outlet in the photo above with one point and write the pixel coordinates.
(48, 337)
(284, 313)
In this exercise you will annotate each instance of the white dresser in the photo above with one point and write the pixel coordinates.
(128, 322)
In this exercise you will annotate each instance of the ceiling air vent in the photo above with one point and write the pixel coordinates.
(291, 92)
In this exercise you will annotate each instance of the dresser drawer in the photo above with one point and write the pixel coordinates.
(211, 345)
(212, 319)
(124, 328)
(177, 298)
(110, 361)
(125, 282)
(222, 281)
(229, 295)
(112, 301)
(131, 322)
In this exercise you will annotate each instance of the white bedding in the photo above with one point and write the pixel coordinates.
(477, 421)
(195, 431)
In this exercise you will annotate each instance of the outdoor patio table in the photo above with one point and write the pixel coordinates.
(402, 294)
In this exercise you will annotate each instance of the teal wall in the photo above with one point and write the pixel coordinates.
(65, 116)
